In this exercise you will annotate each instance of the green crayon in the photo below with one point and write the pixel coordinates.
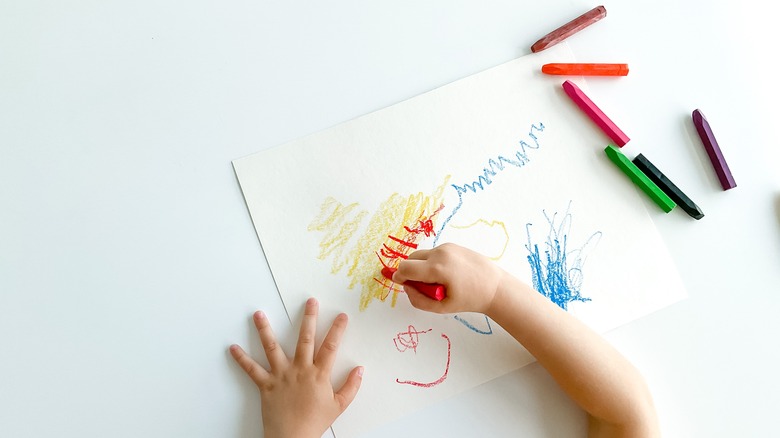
(640, 179)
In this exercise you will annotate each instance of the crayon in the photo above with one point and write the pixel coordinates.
(668, 187)
(432, 290)
(570, 28)
(713, 150)
(595, 114)
(586, 69)
(640, 179)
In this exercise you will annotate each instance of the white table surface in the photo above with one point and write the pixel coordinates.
(128, 261)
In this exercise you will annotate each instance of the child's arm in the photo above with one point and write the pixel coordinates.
(296, 396)
(588, 369)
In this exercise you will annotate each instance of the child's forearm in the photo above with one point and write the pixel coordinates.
(592, 372)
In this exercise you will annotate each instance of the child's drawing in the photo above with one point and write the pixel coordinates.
(362, 249)
(557, 271)
(494, 167)
(491, 235)
(470, 163)
(410, 338)
(486, 330)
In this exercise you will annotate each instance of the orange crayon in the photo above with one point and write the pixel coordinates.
(586, 69)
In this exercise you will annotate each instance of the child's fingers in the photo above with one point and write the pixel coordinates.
(326, 355)
(418, 270)
(304, 351)
(273, 351)
(420, 254)
(422, 301)
(257, 373)
(347, 392)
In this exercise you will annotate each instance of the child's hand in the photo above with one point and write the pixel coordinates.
(296, 396)
(471, 279)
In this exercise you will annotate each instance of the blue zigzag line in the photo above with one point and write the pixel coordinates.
(495, 166)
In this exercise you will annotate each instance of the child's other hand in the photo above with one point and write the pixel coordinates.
(471, 279)
(297, 397)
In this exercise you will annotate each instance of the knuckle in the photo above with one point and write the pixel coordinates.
(251, 368)
(438, 269)
(330, 345)
(271, 346)
(447, 249)
(343, 402)
(266, 386)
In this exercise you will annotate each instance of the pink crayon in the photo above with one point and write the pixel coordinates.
(432, 290)
(608, 126)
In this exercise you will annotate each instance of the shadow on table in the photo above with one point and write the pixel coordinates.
(777, 207)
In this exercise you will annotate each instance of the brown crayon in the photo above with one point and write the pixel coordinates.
(570, 28)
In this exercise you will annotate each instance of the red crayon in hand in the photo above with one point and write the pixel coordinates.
(432, 290)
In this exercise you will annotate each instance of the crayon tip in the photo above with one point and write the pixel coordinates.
(698, 116)
(388, 272)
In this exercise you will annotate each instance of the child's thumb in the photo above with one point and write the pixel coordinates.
(347, 392)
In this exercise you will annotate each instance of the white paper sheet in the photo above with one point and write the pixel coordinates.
(501, 162)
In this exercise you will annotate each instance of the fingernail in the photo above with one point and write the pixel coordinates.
(360, 371)
(260, 314)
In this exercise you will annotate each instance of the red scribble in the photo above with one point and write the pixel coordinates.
(408, 339)
(389, 285)
(403, 242)
(385, 282)
(401, 247)
(392, 253)
(406, 243)
(440, 379)
(426, 225)
(384, 265)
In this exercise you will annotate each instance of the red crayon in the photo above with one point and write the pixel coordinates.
(586, 69)
(432, 290)
(570, 28)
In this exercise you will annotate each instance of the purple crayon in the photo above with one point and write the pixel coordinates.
(713, 150)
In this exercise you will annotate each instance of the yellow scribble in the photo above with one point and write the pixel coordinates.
(392, 232)
(338, 222)
(491, 225)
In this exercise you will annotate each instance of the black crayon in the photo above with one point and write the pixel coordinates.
(668, 187)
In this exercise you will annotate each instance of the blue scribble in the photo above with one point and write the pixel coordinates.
(494, 167)
(558, 274)
(489, 330)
